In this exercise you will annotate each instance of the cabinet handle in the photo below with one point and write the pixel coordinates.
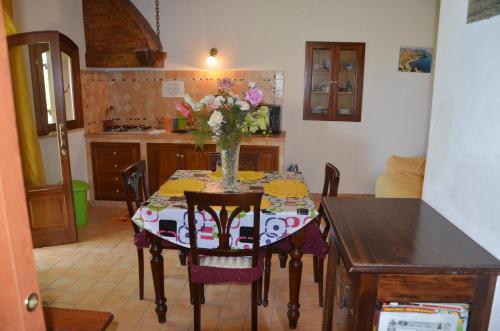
(182, 155)
(177, 155)
(117, 191)
(114, 153)
(116, 178)
(115, 165)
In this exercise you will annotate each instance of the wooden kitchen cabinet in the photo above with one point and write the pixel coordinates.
(333, 87)
(108, 160)
(265, 157)
(165, 159)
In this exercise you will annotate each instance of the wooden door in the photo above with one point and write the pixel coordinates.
(50, 196)
(195, 158)
(17, 271)
(163, 161)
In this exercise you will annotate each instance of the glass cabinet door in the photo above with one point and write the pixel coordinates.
(321, 78)
(346, 86)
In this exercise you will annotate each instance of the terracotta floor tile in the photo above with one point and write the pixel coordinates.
(100, 273)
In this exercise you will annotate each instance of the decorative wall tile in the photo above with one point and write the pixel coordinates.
(136, 97)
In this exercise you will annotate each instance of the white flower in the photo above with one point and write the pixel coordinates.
(243, 105)
(231, 100)
(189, 100)
(219, 100)
(208, 100)
(215, 120)
(252, 85)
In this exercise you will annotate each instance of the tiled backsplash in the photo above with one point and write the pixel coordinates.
(136, 96)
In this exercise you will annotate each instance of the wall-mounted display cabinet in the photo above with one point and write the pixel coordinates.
(333, 88)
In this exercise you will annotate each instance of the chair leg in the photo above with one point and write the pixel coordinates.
(191, 287)
(320, 280)
(182, 255)
(267, 277)
(197, 306)
(202, 293)
(283, 257)
(315, 268)
(259, 292)
(140, 259)
(254, 305)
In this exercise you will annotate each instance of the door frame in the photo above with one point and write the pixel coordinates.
(18, 272)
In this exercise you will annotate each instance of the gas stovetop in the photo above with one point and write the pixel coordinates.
(127, 128)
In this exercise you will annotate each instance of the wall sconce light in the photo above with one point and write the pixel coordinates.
(212, 60)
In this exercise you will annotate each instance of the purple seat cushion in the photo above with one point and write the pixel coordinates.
(141, 241)
(215, 275)
(313, 242)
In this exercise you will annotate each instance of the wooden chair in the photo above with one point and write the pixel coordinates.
(247, 161)
(224, 264)
(315, 241)
(136, 193)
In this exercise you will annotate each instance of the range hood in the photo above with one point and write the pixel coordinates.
(118, 36)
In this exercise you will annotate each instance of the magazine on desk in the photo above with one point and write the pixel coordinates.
(421, 316)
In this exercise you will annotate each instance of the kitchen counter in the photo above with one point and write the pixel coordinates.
(162, 136)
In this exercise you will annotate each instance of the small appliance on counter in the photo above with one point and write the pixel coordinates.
(274, 119)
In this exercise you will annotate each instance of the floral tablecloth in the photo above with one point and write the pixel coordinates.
(167, 218)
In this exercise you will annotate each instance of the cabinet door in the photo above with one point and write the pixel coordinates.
(163, 161)
(319, 81)
(348, 82)
(262, 158)
(195, 158)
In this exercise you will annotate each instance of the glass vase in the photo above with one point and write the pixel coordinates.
(229, 163)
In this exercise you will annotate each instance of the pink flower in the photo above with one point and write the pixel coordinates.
(254, 96)
(225, 83)
(183, 108)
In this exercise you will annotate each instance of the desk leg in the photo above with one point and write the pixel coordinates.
(331, 277)
(364, 302)
(295, 276)
(483, 299)
(158, 281)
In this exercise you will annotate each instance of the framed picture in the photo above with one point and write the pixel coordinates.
(415, 59)
(482, 9)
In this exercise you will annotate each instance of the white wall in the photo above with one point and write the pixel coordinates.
(463, 167)
(272, 34)
(64, 16)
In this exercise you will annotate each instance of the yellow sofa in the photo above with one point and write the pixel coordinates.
(403, 178)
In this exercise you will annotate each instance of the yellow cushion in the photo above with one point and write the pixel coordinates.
(412, 166)
(403, 178)
(398, 186)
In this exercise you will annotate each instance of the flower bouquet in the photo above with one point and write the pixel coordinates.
(226, 118)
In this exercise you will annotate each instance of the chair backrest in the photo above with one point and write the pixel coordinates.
(330, 188)
(135, 184)
(238, 202)
(247, 161)
(331, 181)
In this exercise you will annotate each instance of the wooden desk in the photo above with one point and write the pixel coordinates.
(403, 250)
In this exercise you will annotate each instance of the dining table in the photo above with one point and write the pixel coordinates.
(286, 208)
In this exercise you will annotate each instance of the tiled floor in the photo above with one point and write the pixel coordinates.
(100, 273)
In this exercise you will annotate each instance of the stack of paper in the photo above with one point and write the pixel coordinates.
(421, 316)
